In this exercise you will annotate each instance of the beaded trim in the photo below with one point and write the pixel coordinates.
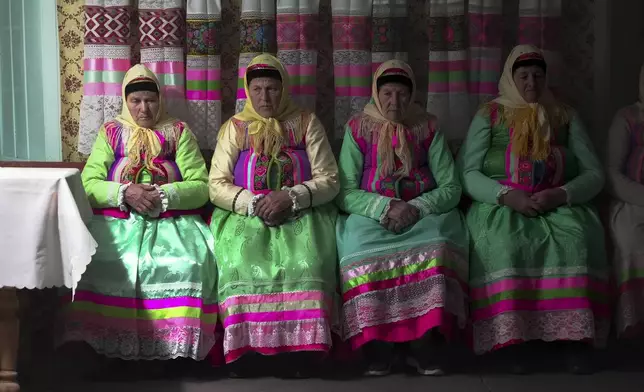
(253, 203)
(236, 197)
(121, 198)
(310, 195)
(503, 191)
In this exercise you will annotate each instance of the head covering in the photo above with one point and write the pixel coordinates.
(392, 137)
(142, 141)
(528, 121)
(266, 134)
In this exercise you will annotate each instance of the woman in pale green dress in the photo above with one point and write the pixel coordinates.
(272, 179)
(538, 268)
(149, 292)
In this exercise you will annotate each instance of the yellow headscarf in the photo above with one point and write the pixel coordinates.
(143, 141)
(392, 138)
(266, 134)
(529, 121)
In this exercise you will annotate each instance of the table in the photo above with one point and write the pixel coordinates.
(44, 242)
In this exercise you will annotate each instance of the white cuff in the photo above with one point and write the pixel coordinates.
(565, 189)
(503, 191)
(164, 203)
(253, 203)
(384, 219)
(424, 207)
(295, 208)
(120, 201)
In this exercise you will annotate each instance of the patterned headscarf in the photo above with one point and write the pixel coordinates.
(143, 143)
(392, 137)
(530, 122)
(266, 134)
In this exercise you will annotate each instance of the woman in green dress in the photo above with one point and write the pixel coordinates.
(403, 247)
(538, 268)
(149, 292)
(272, 179)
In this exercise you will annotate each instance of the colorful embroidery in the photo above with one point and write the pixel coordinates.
(202, 37)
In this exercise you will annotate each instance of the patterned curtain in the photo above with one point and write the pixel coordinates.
(200, 50)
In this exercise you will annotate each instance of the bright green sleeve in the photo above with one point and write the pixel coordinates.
(192, 192)
(351, 198)
(591, 178)
(100, 192)
(447, 193)
(470, 160)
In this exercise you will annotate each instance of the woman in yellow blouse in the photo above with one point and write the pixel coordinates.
(272, 179)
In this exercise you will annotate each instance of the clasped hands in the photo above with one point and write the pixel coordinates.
(274, 208)
(400, 216)
(536, 203)
(143, 198)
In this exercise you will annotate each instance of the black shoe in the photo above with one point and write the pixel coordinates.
(425, 367)
(579, 360)
(379, 357)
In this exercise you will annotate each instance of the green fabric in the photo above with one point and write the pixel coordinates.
(591, 178)
(192, 192)
(351, 198)
(255, 259)
(448, 192)
(482, 161)
(101, 193)
(505, 240)
(137, 257)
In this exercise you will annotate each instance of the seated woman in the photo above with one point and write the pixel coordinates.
(149, 292)
(272, 177)
(538, 266)
(403, 248)
(626, 182)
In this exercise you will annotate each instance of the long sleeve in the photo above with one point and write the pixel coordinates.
(447, 193)
(620, 186)
(223, 192)
(470, 160)
(192, 191)
(324, 184)
(101, 193)
(590, 180)
(352, 199)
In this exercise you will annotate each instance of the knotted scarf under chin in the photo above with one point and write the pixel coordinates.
(267, 136)
(143, 143)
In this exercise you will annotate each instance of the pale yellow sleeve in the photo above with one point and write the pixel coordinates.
(223, 192)
(324, 185)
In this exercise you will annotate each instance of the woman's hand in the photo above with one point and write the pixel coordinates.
(401, 215)
(142, 197)
(549, 199)
(521, 202)
(274, 208)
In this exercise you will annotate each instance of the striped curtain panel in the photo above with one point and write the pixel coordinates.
(203, 69)
(464, 59)
(389, 34)
(257, 35)
(162, 34)
(297, 30)
(540, 25)
(352, 60)
(108, 33)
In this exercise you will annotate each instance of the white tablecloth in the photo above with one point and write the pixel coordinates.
(44, 241)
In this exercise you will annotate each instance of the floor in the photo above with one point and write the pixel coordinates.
(621, 371)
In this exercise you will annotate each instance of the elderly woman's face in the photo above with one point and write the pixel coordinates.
(265, 95)
(144, 107)
(530, 82)
(394, 100)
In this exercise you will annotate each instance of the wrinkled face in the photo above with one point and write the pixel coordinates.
(265, 95)
(144, 107)
(394, 100)
(530, 81)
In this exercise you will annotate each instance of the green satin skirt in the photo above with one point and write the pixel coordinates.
(277, 285)
(149, 292)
